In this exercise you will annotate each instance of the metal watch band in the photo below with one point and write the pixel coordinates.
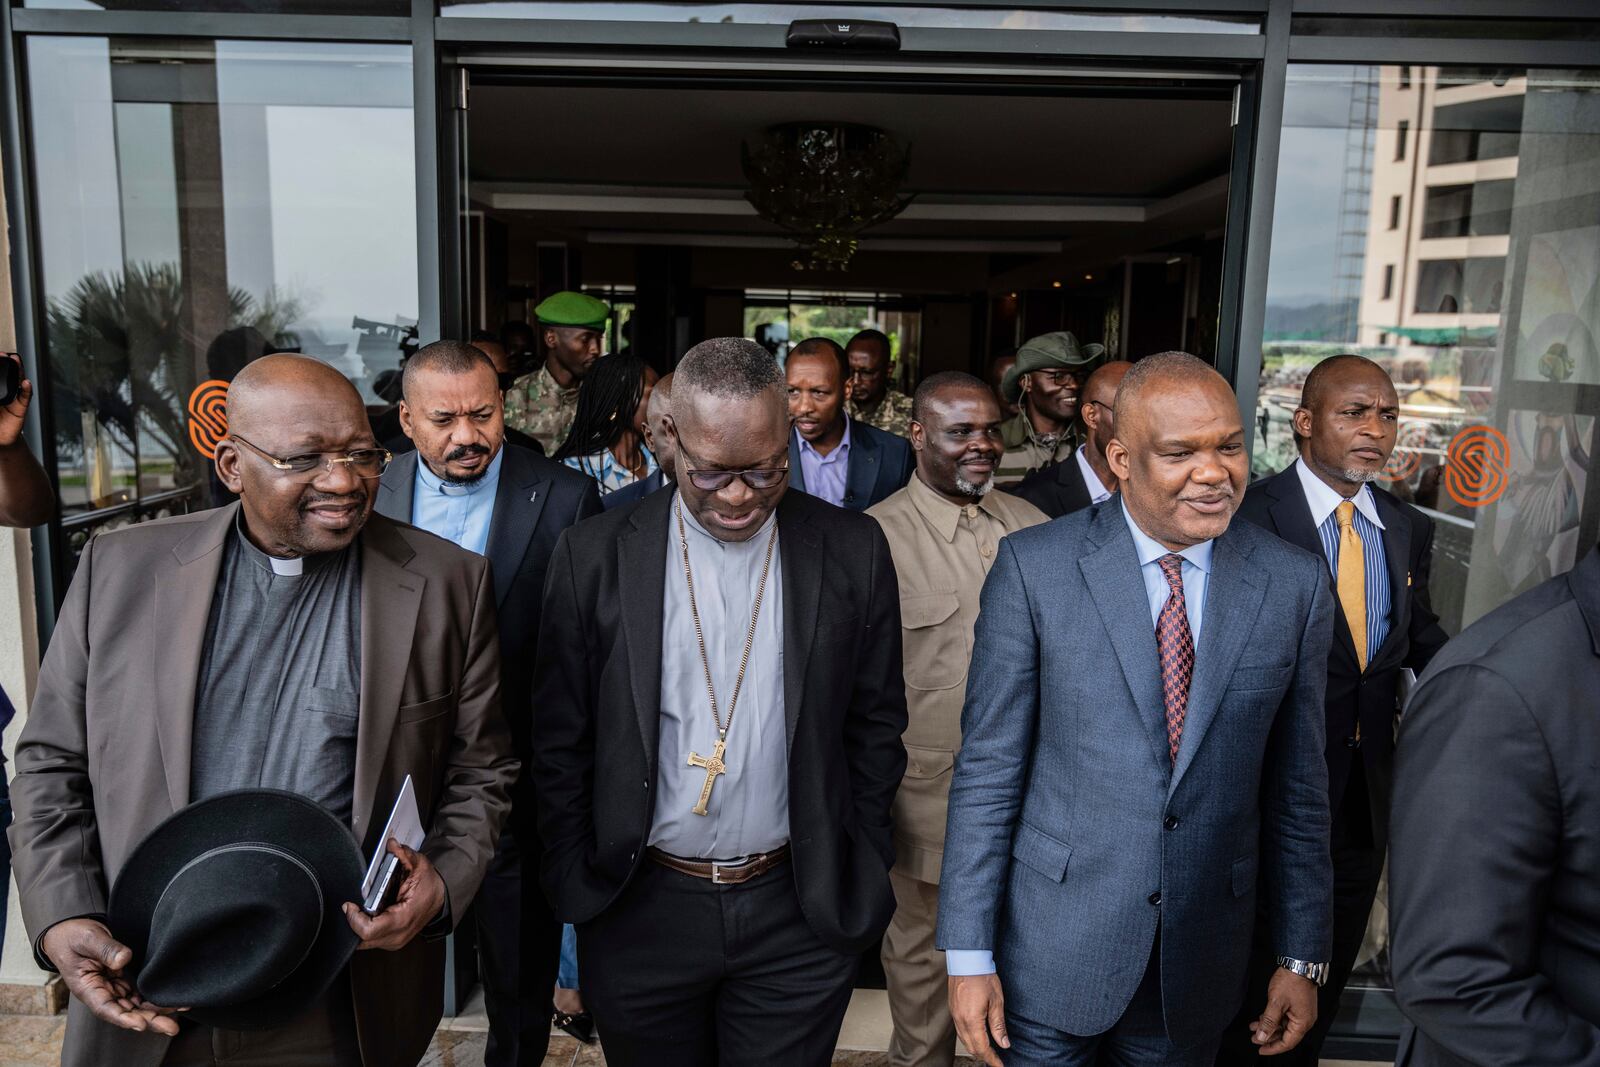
(1316, 972)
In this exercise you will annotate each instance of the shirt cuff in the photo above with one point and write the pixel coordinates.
(965, 961)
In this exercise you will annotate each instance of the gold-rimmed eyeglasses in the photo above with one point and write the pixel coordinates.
(363, 462)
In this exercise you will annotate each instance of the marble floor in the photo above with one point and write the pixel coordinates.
(35, 1040)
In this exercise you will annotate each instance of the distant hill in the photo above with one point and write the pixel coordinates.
(1334, 321)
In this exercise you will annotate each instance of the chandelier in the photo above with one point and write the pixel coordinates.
(826, 182)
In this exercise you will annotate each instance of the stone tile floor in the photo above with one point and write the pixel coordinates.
(35, 1040)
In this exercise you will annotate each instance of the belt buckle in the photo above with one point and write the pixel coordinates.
(716, 874)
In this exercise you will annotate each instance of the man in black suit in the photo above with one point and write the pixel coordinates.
(1085, 477)
(1379, 552)
(842, 460)
(1494, 885)
(719, 705)
(466, 484)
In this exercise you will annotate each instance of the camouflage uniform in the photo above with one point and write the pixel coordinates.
(540, 408)
(892, 414)
(1027, 450)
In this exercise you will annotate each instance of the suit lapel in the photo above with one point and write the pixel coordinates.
(397, 489)
(641, 569)
(1233, 599)
(1291, 519)
(181, 609)
(801, 562)
(390, 599)
(861, 468)
(1111, 573)
(518, 502)
(1071, 479)
(797, 470)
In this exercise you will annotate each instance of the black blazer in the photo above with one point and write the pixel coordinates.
(537, 499)
(880, 463)
(637, 491)
(1279, 504)
(1494, 878)
(597, 710)
(1057, 489)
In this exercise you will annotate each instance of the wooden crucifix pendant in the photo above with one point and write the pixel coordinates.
(713, 767)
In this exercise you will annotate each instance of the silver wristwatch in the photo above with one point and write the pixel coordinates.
(1316, 972)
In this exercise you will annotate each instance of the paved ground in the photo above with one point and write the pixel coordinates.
(35, 1040)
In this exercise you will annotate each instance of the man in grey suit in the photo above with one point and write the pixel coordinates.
(1494, 881)
(1115, 794)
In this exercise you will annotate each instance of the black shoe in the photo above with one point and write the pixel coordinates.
(580, 1025)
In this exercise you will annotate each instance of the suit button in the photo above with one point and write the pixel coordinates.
(1171, 822)
(1155, 898)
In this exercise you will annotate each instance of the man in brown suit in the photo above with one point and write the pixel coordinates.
(944, 531)
(292, 640)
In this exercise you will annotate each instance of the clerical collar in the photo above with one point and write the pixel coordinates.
(432, 483)
(292, 567)
(693, 525)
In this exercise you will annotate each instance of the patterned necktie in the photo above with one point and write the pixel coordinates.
(1176, 645)
(1352, 578)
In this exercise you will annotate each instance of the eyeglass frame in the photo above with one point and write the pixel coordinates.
(1076, 375)
(328, 459)
(690, 473)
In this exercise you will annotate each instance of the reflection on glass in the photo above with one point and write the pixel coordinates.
(201, 204)
(780, 319)
(1481, 298)
(782, 14)
(1445, 222)
(261, 7)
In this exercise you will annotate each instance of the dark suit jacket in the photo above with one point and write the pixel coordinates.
(597, 710)
(105, 754)
(1494, 877)
(1279, 504)
(879, 464)
(1073, 838)
(637, 491)
(536, 500)
(1056, 490)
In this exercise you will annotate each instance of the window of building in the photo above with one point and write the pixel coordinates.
(198, 204)
(1479, 209)
(1460, 286)
(1394, 212)
(1388, 282)
(1401, 133)
(1405, 77)
(1490, 128)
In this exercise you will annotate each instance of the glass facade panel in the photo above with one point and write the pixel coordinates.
(1483, 305)
(253, 7)
(199, 203)
(976, 18)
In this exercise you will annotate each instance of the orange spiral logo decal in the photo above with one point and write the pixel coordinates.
(1477, 466)
(208, 416)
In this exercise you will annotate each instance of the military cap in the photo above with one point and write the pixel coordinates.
(572, 309)
(1059, 349)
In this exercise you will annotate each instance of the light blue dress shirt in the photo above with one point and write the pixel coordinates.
(456, 512)
(1324, 504)
(1196, 570)
(827, 476)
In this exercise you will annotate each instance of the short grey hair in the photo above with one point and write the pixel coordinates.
(728, 367)
(1171, 366)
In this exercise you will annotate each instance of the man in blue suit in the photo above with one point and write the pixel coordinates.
(832, 456)
(1116, 793)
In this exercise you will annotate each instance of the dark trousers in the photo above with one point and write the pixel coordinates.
(1139, 1038)
(1357, 868)
(519, 950)
(324, 1035)
(680, 972)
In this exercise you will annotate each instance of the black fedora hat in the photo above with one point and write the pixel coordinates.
(233, 907)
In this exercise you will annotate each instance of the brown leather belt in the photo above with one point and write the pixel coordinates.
(723, 873)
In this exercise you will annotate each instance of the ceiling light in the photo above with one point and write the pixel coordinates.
(826, 182)
(1055, 285)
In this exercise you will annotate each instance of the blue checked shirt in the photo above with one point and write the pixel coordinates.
(1323, 501)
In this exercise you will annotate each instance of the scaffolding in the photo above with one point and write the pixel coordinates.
(1355, 202)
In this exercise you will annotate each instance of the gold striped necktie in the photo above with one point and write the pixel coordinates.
(1352, 578)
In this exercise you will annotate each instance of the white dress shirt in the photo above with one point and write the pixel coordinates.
(1098, 493)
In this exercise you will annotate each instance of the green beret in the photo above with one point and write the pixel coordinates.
(1059, 349)
(572, 309)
